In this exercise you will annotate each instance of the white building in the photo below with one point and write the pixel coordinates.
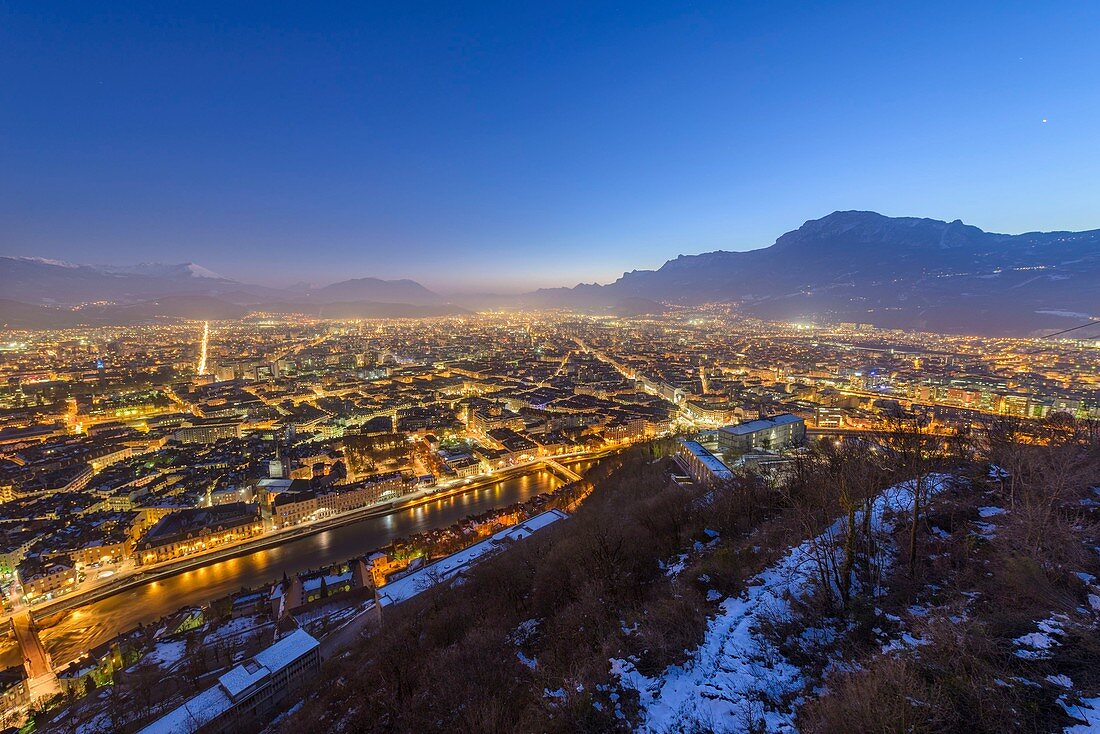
(250, 693)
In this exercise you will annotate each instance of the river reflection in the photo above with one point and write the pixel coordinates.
(100, 621)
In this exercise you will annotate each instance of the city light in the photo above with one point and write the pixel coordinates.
(201, 369)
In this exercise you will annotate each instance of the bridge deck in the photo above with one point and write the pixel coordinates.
(562, 470)
(41, 678)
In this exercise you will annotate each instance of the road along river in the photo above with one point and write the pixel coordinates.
(99, 621)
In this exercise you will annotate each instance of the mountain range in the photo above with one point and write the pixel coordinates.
(52, 282)
(863, 267)
(38, 293)
(849, 266)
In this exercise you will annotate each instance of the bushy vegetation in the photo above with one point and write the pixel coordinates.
(926, 618)
(524, 643)
(999, 556)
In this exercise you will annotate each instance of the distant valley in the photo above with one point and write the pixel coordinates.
(852, 266)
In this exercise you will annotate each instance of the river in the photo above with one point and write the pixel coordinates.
(100, 621)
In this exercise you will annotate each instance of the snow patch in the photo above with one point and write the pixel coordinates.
(905, 642)
(1037, 645)
(737, 674)
(166, 654)
(1088, 711)
(46, 261)
(986, 530)
(677, 566)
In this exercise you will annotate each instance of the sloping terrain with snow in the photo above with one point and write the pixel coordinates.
(737, 680)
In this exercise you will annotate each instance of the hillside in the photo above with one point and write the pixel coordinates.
(376, 290)
(874, 591)
(852, 266)
(47, 282)
(892, 272)
(39, 294)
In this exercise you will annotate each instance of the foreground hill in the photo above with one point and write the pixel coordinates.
(909, 600)
(892, 272)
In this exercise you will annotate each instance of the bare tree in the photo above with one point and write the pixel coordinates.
(1047, 475)
(918, 452)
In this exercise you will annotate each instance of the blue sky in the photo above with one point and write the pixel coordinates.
(505, 146)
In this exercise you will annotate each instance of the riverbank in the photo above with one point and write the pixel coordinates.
(161, 663)
(68, 633)
(143, 575)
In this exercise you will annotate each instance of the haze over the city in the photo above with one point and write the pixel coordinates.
(507, 146)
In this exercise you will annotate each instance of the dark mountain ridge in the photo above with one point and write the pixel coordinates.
(48, 282)
(375, 289)
(850, 266)
(893, 272)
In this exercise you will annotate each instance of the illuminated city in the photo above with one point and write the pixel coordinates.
(132, 453)
(520, 368)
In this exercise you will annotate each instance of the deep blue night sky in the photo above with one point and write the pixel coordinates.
(509, 145)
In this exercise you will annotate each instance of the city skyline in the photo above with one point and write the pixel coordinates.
(574, 367)
(276, 481)
(504, 149)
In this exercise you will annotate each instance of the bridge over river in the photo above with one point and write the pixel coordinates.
(41, 679)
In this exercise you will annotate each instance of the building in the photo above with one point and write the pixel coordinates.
(208, 431)
(484, 419)
(515, 447)
(268, 489)
(305, 588)
(14, 548)
(828, 417)
(463, 465)
(291, 508)
(773, 467)
(100, 550)
(626, 430)
(775, 432)
(700, 464)
(710, 412)
(99, 460)
(47, 578)
(196, 530)
(250, 693)
(14, 691)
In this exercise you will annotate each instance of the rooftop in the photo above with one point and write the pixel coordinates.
(193, 521)
(709, 460)
(192, 714)
(215, 701)
(762, 424)
(237, 680)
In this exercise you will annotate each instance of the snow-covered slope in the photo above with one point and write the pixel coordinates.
(737, 680)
